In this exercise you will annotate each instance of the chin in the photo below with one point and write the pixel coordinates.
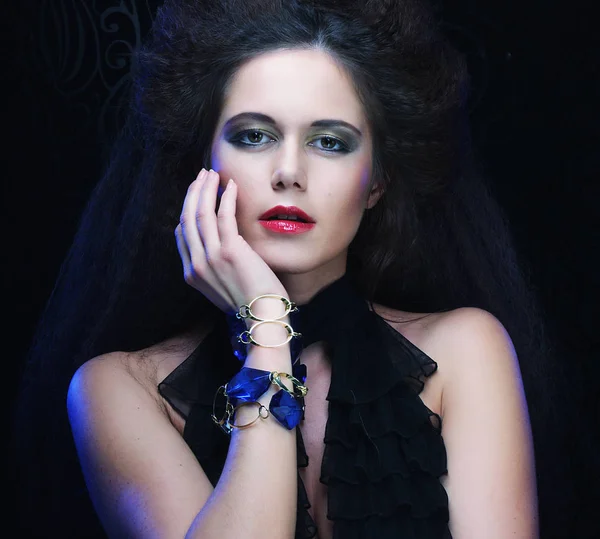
(291, 265)
(300, 260)
(298, 255)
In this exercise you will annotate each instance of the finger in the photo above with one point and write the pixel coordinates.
(196, 276)
(190, 244)
(184, 253)
(210, 262)
(189, 227)
(226, 222)
(207, 218)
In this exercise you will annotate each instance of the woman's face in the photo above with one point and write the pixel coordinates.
(293, 132)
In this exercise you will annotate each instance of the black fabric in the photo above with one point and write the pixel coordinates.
(384, 453)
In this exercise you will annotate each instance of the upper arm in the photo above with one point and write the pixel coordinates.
(491, 472)
(142, 477)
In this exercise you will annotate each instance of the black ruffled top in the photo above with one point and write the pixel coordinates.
(384, 453)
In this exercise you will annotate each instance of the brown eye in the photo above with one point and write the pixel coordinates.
(330, 144)
(251, 138)
(255, 137)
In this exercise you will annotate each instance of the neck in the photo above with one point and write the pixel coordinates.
(302, 287)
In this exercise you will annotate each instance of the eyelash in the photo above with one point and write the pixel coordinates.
(236, 139)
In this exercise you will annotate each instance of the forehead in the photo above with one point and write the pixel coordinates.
(294, 87)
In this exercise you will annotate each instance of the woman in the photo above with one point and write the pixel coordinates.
(351, 120)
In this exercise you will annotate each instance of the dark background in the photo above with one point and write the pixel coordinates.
(535, 115)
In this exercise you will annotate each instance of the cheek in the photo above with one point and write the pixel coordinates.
(350, 192)
(223, 163)
(230, 164)
(245, 171)
(243, 167)
(364, 183)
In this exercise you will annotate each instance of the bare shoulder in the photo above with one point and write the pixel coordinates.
(467, 338)
(138, 372)
(444, 335)
(458, 340)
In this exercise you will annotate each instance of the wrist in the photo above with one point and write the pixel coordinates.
(270, 359)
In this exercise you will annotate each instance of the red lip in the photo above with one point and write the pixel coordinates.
(287, 227)
(287, 210)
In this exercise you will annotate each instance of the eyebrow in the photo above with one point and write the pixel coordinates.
(259, 117)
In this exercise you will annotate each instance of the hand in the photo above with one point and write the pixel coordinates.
(217, 261)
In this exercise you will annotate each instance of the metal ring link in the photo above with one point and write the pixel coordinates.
(275, 378)
(248, 334)
(245, 310)
(229, 410)
(261, 408)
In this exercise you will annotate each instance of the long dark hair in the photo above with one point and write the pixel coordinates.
(435, 241)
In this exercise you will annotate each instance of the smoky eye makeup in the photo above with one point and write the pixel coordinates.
(258, 137)
(245, 131)
(249, 137)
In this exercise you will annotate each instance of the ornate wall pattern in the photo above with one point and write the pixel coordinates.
(83, 49)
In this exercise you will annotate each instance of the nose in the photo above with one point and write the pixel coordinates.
(289, 167)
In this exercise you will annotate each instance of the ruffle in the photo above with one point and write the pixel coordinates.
(384, 454)
(306, 527)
